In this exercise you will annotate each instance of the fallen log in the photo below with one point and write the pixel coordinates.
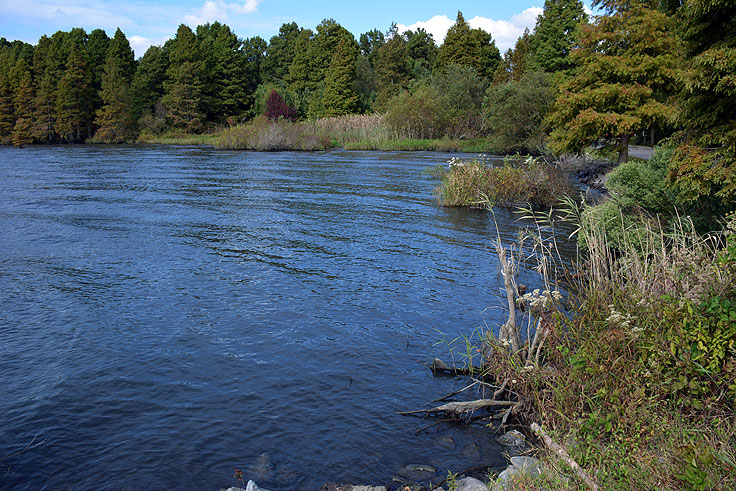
(457, 408)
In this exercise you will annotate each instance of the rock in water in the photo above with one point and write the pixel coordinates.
(253, 487)
(350, 487)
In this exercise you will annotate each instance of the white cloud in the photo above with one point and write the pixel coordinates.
(504, 32)
(220, 10)
(141, 43)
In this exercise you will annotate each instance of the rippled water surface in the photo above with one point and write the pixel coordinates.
(169, 314)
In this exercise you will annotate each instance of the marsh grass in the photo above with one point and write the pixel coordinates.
(180, 138)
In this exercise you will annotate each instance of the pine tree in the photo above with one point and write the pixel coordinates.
(115, 117)
(72, 110)
(339, 98)
(628, 74)
(21, 134)
(470, 47)
(392, 67)
(556, 33)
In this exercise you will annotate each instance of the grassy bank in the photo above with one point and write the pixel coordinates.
(635, 373)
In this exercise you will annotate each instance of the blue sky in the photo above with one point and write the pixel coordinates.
(146, 23)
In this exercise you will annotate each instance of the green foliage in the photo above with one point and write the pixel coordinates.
(470, 47)
(556, 34)
(183, 98)
(72, 109)
(515, 111)
(629, 68)
(516, 62)
(705, 162)
(280, 53)
(147, 87)
(21, 134)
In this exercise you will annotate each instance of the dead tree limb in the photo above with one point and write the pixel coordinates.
(557, 448)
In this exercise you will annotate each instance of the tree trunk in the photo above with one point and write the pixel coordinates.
(652, 140)
(623, 153)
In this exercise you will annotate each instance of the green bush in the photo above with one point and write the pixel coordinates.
(514, 112)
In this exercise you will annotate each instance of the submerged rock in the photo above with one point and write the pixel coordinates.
(417, 472)
(261, 468)
(471, 451)
(445, 441)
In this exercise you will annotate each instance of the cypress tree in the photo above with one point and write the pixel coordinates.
(339, 98)
(629, 71)
(7, 109)
(119, 48)
(21, 134)
(114, 118)
(72, 108)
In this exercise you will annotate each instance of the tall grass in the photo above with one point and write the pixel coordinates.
(518, 180)
(261, 134)
(352, 128)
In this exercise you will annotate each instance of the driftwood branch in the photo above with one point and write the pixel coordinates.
(460, 407)
(557, 448)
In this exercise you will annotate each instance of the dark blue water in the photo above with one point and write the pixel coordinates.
(170, 314)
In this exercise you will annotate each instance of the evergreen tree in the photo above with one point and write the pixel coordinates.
(254, 52)
(705, 163)
(23, 104)
(516, 62)
(280, 53)
(422, 52)
(300, 77)
(7, 109)
(119, 48)
(97, 46)
(44, 108)
(72, 107)
(629, 69)
(556, 33)
(183, 98)
(339, 98)
(470, 47)
(115, 118)
(147, 87)
(392, 67)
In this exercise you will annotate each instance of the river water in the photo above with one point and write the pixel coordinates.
(169, 314)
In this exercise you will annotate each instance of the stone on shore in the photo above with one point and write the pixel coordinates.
(350, 487)
(470, 484)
